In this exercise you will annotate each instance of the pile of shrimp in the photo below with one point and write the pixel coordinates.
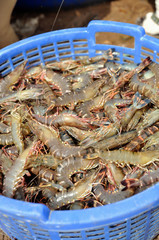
(79, 133)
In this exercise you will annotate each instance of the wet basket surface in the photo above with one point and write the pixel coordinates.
(134, 218)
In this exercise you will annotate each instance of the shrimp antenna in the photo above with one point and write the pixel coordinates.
(57, 14)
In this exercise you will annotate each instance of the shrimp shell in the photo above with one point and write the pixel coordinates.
(147, 179)
(84, 109)
(116, 140)
(138, 141)
(71, 165)
(57, 80)
(145, 89)
(149, 119)
(21, 95)
(17, 130)
(15, 173)
(107, 197)
(50, 138)
(81, 81)
(80, 189)
(77, 133)
(152, 142)
(43, 173)
(155, 68)
(46, 160)
(6, 139)
(114, 173)
(135, 119)
(11, 78)
(82, 95)
(65, 118)
(99, 134)
(138, 103)
(125, 77)
(111, 108)
(66, 138)
(128, 157)
(5, 162)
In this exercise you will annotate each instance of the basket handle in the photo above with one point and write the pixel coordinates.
(118, 27)
(133, 30)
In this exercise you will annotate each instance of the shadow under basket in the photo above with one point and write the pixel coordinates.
(134, 218)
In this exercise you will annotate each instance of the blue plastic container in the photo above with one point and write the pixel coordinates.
(51, 4)
(134, 218)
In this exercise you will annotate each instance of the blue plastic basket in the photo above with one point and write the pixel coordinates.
(40, 4)
(134, 218)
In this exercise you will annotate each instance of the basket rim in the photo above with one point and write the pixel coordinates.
(118, 212)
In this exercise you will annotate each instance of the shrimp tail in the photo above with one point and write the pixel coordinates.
(139, 103)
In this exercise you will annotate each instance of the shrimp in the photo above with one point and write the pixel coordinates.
(21, 95)
(116, 140)
(71, 165)
(68, 65)
(5, 162)
(155, 68)
(133, 172)
(48, 93)
(136, 143)
(34, 72)
(147, 179)
(50, 138)
(125, 77)
(65, 65)
(126, 157)
(107, 197)
(65, 118)
(81, 81)
(111, 108)
(145, 89)
(100, 133)
(66, 138)
(11, 152)
(15, 173)
(77, 133)
(17, 130)
(137, 104)
(79, 96)
(149, 119)
(108, 54)
(57, 80)
(46, 160)
(32, 192)
(46, 184)
(80, 190)
(135, 119)
(84, 109)
(39, 109)
(11, 78)
(115, 174)
(152, 142)
(6, 139)
(43, 173)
